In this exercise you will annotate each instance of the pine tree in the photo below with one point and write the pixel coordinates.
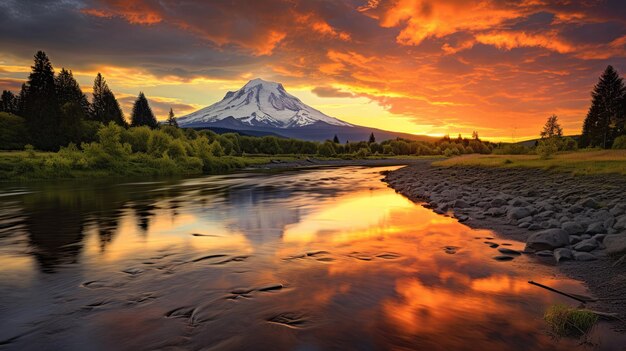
(475, 135)
(336, 139)
(40, 105)
(606, 117)
(142, 113)
(68, 90)
(171, 120)
(372, 138)
(552, 128)
(8, 102)
(21, 98)
(104, 106)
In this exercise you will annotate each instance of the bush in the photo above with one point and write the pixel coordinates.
(568, 144)
(620, 142)
(568, 321)
(547, 148)
(362, 153)
(13, 132)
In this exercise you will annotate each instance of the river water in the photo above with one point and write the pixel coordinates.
(329, 258)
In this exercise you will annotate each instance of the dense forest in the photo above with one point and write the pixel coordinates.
(51, 113)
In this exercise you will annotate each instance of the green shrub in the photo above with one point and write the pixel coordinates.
(620, 142)
(547, 148)
(568, 321)
(362, 153)
(568, 144)
(13, 132)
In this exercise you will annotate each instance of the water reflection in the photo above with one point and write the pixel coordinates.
(322, 259)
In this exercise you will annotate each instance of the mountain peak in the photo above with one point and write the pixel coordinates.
(260, 103)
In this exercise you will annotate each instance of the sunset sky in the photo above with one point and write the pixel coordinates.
(416, 66)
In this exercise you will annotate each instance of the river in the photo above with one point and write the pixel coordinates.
(327, 258)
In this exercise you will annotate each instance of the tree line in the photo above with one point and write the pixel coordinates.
(51, 110)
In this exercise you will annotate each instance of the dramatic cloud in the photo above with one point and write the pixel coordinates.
(496, 66)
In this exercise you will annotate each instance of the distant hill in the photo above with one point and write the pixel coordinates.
(262, 108)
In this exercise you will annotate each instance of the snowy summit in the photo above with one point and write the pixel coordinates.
(260, 103)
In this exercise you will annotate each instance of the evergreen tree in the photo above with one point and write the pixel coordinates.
(606, 117)
(68, 90)
(142, 114)
(552, 128)
(104, 106)
(8, 102)
(475, 135)
(171, 120)
(40, 106)
(21, 98)
(336, 139)
(372, 138)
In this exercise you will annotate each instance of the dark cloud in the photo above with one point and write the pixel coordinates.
(330, 92)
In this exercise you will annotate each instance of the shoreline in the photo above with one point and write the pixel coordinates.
(468, 193)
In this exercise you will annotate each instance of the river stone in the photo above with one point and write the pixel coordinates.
(544, 253)
(583, 256)
(586, 245)
(595, 228)
(572, 228)
(503, 258)
(563, 254)
(599, 237)
(460, 204)
(498, 202)
(524, 225)
(548, 239)
(518, 213)
(589, 203)
(535, 226)
(574, 239)
(507, 251)
(546, 214)
(526, 219)
(517, 202)
(615, 244)
(620, 223)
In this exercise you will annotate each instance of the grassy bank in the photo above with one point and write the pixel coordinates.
(23, 165)
(578, 162)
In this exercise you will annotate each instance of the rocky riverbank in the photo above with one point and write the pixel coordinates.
(575, 222)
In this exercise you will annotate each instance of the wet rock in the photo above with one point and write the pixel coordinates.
(563, 254)
(491, 244)
(544, 253)
(574, 239)
(507, 251)
(548, 239)
(615, 244)
(535, 226)
(503, 258)
(208, 257)
(317, 253)
(451, 250)
(572, 228)
(586, 245)
(583, 256)
(271, 287)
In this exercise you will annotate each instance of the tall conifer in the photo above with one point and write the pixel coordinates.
(41, 106)
(606, 117)
(142, 113)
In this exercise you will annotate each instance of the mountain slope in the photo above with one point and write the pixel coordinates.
(264, 108)
(260, 103)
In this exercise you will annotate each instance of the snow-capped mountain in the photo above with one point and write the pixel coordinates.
(259, 103)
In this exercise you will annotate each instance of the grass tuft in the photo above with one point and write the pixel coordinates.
(569, 321)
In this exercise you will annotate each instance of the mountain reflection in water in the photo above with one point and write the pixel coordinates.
(307, 260)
